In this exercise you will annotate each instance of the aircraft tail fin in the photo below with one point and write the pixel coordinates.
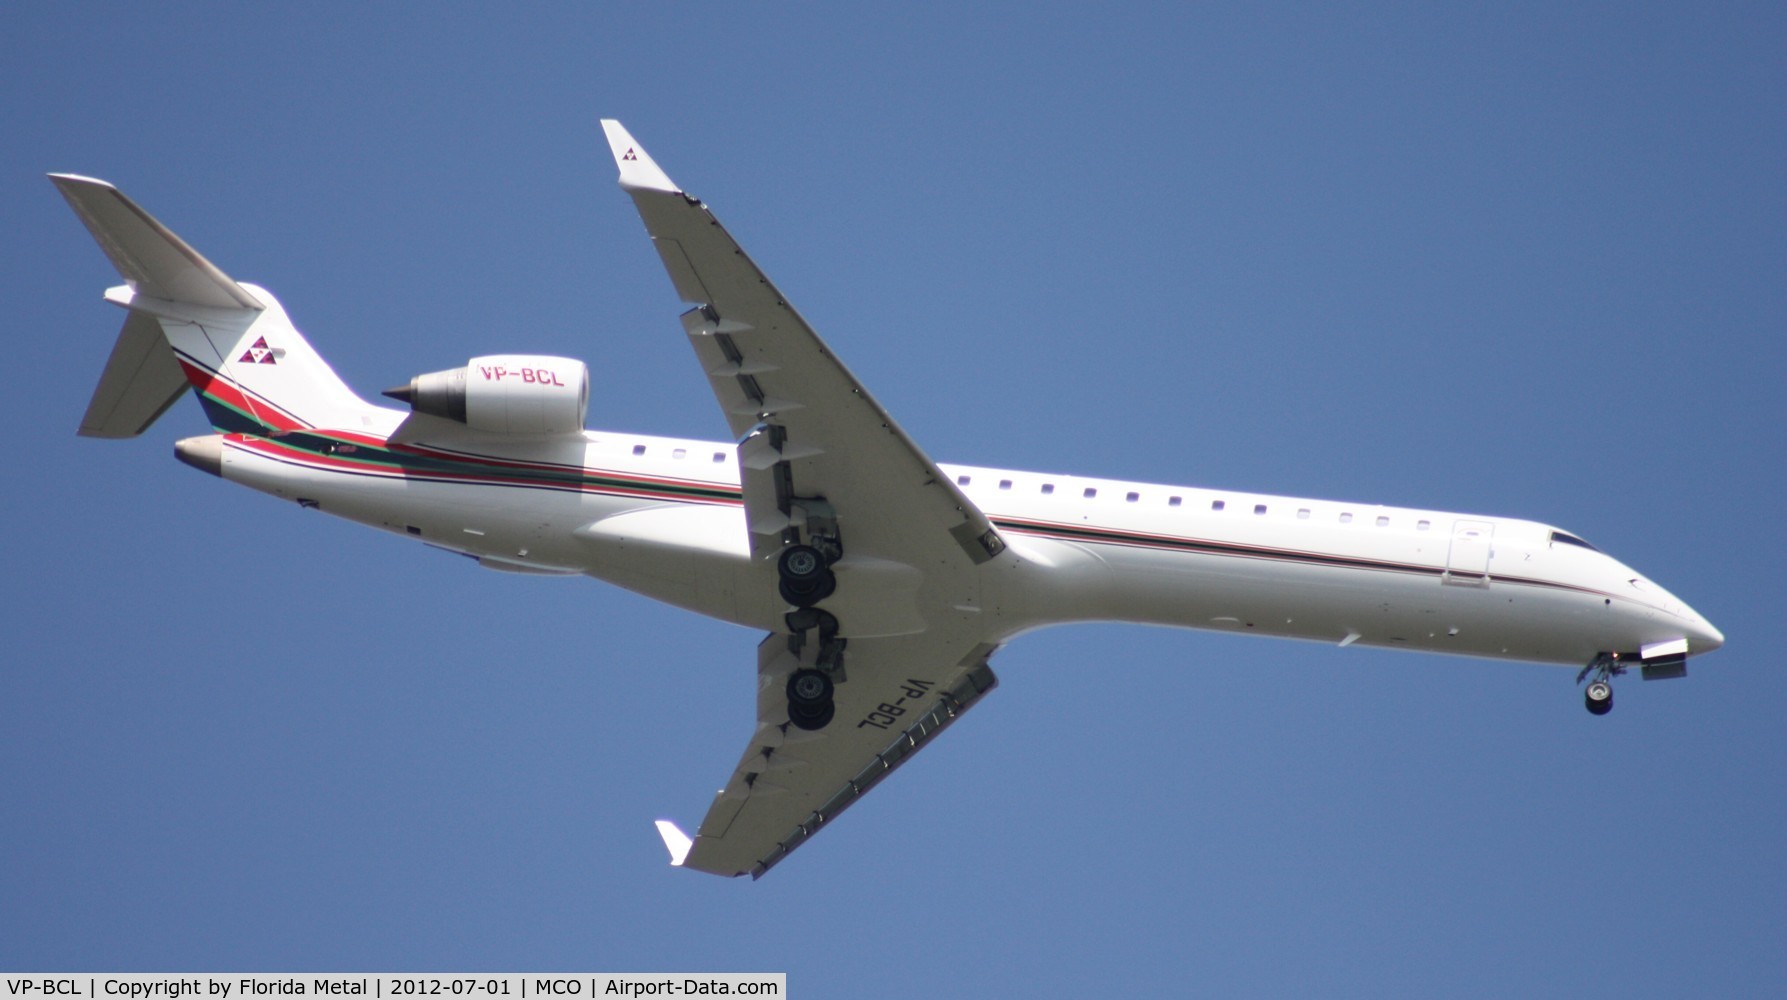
(192, 324)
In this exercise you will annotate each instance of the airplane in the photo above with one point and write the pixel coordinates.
(884, 581)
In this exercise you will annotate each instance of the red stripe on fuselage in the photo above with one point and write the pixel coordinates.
(275, 450)
(220, 388)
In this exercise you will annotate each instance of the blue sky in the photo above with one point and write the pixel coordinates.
(1517, 261)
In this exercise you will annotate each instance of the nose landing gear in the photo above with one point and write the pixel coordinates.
(1598, 696)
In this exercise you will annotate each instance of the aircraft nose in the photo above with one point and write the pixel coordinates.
(1702, 636)
(1707, 638)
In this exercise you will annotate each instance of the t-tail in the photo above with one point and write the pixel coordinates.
(190, 324)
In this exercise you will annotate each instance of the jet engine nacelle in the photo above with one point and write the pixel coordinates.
(505, 394)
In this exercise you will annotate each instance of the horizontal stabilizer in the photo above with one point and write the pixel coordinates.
(141, 380)
(151, 258)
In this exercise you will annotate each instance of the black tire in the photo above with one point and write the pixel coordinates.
(1598, 697)
(812, 719)
(801, 564)
(809, 687)
(810, 705)
(806, 595)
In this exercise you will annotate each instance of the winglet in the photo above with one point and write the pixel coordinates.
(638, 171)
(676, 841)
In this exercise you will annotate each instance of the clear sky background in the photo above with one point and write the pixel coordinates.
(1512, 261)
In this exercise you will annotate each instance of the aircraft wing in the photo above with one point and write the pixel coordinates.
(902, 691)
(816, 452)
(808, 428)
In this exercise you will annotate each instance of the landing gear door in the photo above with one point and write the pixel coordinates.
(1467, 563)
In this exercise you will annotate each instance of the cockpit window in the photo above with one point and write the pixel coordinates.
(1569, 539)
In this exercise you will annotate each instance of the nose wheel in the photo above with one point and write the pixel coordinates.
(1598, 696)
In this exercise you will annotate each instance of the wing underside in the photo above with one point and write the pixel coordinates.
(790, 782)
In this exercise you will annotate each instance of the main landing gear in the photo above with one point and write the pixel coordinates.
(806, 575)
(809, 699)
(1598, 696)
(805, 580)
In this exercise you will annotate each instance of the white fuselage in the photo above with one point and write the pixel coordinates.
(663, 517)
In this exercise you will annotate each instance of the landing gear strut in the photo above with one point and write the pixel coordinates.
(1598, 696)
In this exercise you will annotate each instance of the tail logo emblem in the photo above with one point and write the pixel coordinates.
(260, 354)
(630, 154)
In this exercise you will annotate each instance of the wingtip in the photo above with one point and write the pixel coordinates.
(638, 171)
(675, 841)
(79, 180)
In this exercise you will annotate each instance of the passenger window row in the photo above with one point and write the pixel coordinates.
(1303, 513)
(679, 453)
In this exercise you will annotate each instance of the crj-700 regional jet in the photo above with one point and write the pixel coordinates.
(884, 580)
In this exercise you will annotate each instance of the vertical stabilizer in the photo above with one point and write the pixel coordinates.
(192, 324)
(255, 372)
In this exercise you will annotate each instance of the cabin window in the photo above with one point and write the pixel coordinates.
(1346, 517)
(1383, 522)
(1423, 525)
(1048, 488)
(963, 480)
(680, 453)
(1005, 484)
(1091, 491)
(1174, 501)
(1218, 504)
(639, 449)
(1569, 539)
(1259, 508)
(1302, 513)
(719, 456)
(1132, 497)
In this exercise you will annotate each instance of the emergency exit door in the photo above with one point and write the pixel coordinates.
(1467, 563)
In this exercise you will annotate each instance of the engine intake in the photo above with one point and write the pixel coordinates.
(505, 394)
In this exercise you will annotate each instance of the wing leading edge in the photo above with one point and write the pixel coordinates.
(816, 448)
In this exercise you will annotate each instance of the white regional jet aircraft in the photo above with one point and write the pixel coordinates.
(884, 580)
